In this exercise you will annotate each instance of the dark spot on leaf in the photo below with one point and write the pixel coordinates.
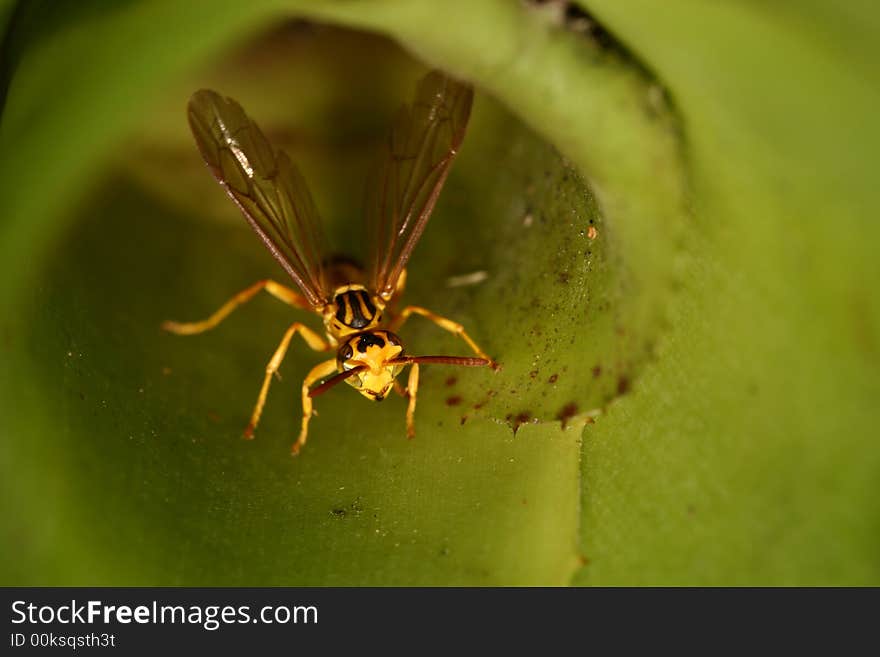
(82, 396)
(622, 385)
(451, 381)
(553, 378)
(597, 371)
(563, 277)
(485, 400)
(463, 419)
(533, 374)
(516, 421)
(343, 512)
(568, 411)
(584, 559)
(454, 400)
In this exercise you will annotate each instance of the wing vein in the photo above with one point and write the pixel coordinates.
(265, 185)
(419, 152)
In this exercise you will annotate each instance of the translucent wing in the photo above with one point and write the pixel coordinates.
(419, 152)
(265, 185)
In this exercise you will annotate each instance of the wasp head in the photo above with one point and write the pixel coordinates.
(371, 350)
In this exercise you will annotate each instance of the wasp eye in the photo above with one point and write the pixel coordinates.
(393, 339)
(345, 352)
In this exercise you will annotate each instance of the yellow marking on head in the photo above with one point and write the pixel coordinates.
(373, 349)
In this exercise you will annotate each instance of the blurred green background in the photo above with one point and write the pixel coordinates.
(671, 203)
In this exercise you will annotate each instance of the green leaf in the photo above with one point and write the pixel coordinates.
(152, 482)
(703, 305)
(749, 455)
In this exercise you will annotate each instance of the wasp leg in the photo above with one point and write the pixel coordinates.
(312, 339)
(318, 372)
(445, 324)
(277, 290)
(412, 390)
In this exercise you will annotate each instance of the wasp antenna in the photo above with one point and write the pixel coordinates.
(333, 380)
(442, 360)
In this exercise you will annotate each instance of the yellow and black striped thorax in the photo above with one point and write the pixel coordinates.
(352, 310)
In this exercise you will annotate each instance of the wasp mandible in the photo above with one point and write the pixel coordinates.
(356, 305)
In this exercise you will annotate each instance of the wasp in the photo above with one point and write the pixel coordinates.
(357, 304)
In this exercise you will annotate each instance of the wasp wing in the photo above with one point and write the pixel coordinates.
(265, 185)
(419, 151)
